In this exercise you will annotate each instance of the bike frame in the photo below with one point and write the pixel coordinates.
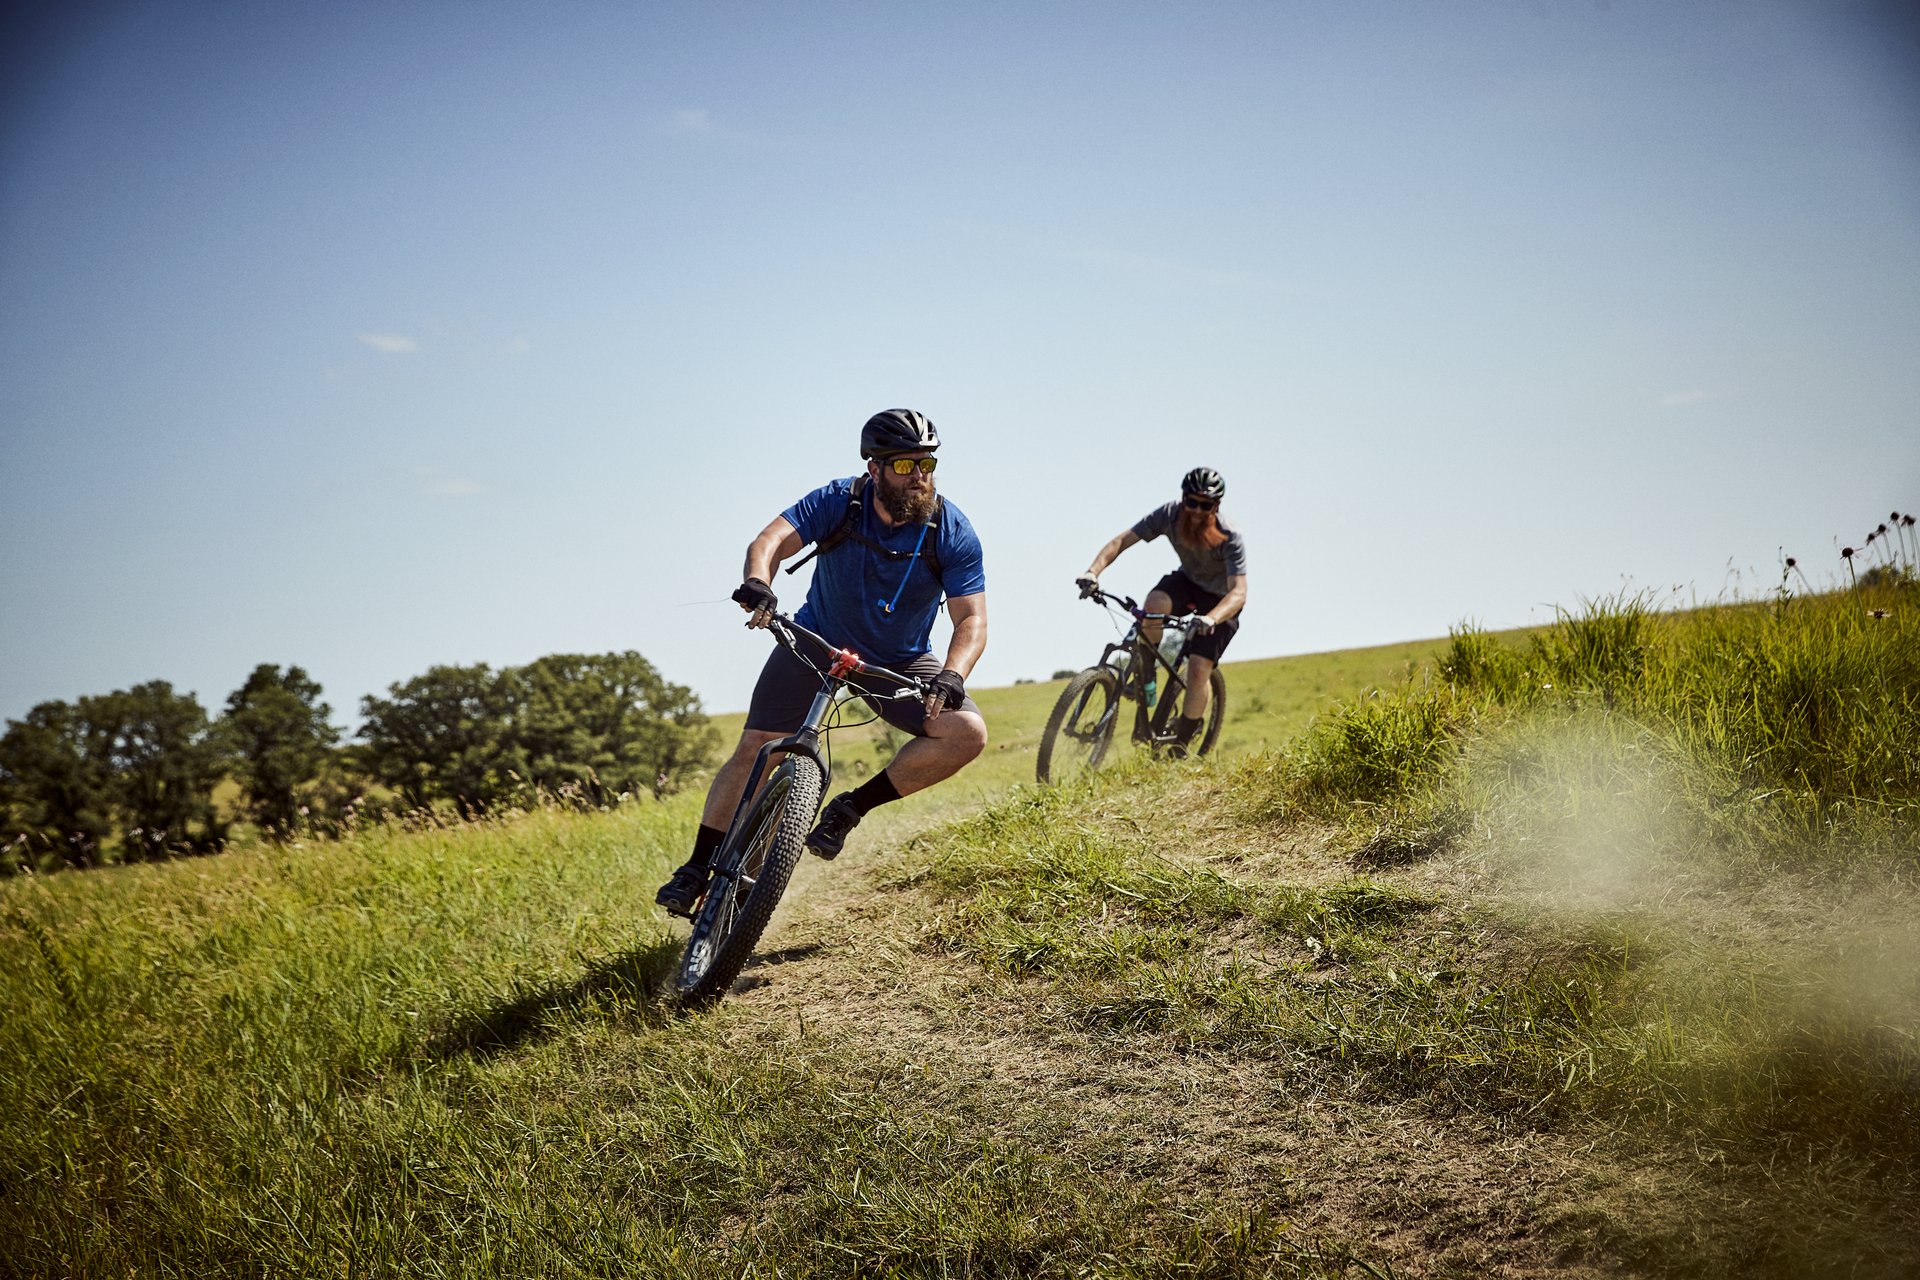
(843, 664)
(769, 821)
(1135, 643)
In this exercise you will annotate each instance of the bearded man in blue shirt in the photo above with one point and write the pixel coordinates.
(890, 549)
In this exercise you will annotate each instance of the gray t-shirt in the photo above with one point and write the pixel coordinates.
(1209, 567)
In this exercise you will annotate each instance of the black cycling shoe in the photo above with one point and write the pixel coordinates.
(836, 820)
(681, 894)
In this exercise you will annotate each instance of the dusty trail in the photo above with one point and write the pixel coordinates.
(1393, 1182)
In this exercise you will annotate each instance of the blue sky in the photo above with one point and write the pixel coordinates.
(370, 336)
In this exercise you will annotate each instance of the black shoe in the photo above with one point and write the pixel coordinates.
(1183, 734)
(836, 820)
(681, 894)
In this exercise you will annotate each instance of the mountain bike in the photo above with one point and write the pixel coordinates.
(1131, 669)
(769, 828)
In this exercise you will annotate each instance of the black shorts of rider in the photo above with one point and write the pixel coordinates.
(787, 685)
(1190, 597)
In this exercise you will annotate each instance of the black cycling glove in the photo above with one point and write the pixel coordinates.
(1088, 584)
(951, 688)
(756, 595)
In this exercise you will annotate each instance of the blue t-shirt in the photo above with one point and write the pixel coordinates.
(852, 582)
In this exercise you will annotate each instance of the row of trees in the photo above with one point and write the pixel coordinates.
(131, 775)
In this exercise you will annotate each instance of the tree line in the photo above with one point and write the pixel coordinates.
(130, 776)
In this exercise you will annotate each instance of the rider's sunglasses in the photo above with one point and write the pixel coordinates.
(1200, 504)
(905, 466)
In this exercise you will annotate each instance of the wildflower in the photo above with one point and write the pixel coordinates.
(1907, 520)
(1846, 553)
(1791, 562)
(1878, 614)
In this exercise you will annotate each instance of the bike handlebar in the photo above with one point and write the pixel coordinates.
(844, 662)
(1127, 602)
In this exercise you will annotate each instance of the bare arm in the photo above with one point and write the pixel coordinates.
(1111, 552)
(1231, 603)
(772, 545)
(969, 615)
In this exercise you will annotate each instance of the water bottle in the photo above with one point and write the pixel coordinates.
(1171, 642)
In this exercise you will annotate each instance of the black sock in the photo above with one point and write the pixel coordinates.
(705, 841)
(1187, 728)
(873, 793)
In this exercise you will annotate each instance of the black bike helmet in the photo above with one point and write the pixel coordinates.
(898, 431)
(1204, 482)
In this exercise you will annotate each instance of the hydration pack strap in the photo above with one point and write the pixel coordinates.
(850, 528)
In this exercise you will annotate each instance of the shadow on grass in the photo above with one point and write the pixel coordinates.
(622, 985)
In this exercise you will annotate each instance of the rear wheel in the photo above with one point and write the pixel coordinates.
(1209, 733)
(754, 867)
(1081, 726)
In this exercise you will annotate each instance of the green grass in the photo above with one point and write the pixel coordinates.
(445, 1052)
(1638, 884)
(447, 1046)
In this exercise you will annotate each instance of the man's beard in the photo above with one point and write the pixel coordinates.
(906, 504)
(1196, 529)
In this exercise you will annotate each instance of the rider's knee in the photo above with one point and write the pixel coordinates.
(751, 740)
(968, 732)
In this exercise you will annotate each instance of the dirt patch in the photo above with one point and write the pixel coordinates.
(1392, 1181)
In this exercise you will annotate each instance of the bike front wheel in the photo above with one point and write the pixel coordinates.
(1080, 729)
(754, 866)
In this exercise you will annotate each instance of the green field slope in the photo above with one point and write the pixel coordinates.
(1587, 952)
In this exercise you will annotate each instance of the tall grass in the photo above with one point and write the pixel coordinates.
(1803, 711)
(1819, 694)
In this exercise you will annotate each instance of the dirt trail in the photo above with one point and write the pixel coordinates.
(1393, 1182)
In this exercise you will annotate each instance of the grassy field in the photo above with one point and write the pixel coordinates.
(1582, 953)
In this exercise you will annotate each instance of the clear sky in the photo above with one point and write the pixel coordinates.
(370, 336)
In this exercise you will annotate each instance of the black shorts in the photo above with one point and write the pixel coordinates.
(1190, 597)
(787, 685)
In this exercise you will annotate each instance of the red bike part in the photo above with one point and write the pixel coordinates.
(844, 661)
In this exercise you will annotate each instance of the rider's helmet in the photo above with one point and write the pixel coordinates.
(898, 431)
(1203, 482)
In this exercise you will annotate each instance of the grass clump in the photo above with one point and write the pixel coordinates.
(1386, 747)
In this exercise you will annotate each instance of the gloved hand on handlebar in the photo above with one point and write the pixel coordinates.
(1087, 583)
(947, 688)
(757, 598)
(1201, 625)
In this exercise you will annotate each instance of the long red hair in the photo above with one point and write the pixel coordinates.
(1208, 535)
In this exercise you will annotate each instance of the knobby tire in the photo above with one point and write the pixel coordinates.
(1090, 698)
(735, 912)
